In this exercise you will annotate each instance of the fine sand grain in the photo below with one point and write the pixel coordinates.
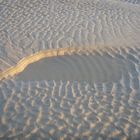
(70, 69)
(27, 27)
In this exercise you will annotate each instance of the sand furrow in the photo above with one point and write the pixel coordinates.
(108, 22)
(58, 78)
(76, 109)
(112, 111)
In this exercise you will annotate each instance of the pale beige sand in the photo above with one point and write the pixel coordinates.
(131, 1)
(22, 64)
(71, 109)
(27, 27)
(102, 106)
(83, 66)
(66, 110)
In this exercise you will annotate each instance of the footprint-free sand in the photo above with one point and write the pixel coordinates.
(70, 69)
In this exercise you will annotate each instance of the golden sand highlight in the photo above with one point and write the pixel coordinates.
(23, 63)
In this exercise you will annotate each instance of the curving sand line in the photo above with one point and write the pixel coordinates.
(47, 53)
(23, 63)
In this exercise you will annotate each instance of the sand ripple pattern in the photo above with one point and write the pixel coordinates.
(62, 109)
(49, 109)
(27, 26)
(131, 1)
(79, 110)
(83, 65)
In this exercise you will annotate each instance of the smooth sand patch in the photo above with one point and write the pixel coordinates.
(85, 67)
(22, 64)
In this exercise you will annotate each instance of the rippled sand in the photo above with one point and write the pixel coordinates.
(70, 69)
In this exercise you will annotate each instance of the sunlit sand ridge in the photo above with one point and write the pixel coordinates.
(81, 65)
(40, 55)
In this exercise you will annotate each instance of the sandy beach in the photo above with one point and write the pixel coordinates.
(69, 69)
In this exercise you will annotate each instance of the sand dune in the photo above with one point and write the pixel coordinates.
(92, 92)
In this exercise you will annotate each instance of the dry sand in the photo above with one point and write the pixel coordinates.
(54, 82)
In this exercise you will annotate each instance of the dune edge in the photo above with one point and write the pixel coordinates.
(24, 62)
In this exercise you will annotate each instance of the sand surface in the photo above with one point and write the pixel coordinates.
(70, 69)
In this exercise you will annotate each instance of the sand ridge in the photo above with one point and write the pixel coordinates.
(22, 64)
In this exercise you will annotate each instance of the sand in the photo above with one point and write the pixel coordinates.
(70, 69)
(23, 63)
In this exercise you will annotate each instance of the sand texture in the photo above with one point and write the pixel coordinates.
(66, 110)
(23, 63)
(70, 69)
(27, 26)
